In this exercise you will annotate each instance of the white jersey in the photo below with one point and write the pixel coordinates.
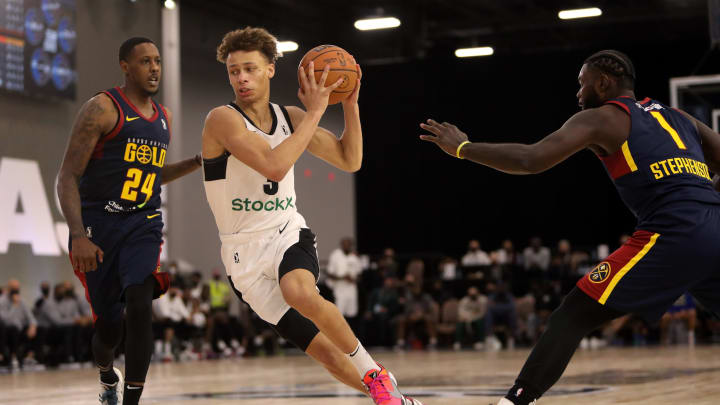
(243, 200)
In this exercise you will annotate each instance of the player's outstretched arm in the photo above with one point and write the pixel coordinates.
(227, 129)
(580, 131)
(345, 153)
(96, 117)
(173, 171)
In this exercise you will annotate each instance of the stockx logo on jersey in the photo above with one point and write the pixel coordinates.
(278, 204)
(600, 273)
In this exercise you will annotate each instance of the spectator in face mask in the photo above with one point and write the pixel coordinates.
(472, 310)
(43, 323)
(20, 325)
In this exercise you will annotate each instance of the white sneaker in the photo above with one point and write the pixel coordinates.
(457, 346)
(585, 344)
(112, 394)
(479, 346)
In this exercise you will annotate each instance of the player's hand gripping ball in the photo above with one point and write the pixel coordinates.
(342, 66)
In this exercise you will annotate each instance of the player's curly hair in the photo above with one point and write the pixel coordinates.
(248, 39)
(614, 63)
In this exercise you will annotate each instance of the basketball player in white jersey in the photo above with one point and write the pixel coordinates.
(249, 149)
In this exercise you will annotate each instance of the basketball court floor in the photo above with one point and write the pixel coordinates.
(658, 376)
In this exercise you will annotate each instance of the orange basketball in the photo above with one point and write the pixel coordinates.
(342, 66)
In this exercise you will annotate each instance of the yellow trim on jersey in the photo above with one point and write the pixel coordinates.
(620, 274)
(628, 157)
(668, 128)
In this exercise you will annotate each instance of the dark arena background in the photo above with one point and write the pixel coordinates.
(425, 227)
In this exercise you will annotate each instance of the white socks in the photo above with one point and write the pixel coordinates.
(361, 359)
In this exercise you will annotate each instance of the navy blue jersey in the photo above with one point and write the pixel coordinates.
(123, 174)
(661, 165)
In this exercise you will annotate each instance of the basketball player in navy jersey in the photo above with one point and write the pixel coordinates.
(109, 190)
(660, 161)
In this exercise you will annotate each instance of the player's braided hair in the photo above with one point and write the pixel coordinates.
(614, 63)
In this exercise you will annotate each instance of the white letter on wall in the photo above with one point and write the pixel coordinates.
(20, 179)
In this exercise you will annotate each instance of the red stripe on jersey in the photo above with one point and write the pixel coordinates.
(98, 152)
(81, 276)
(645, 100)
(162, 278)
(616, 164)
(151, 119)
(597, 280)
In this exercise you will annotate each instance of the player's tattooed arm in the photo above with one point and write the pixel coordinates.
(173, 171)
(96, 117)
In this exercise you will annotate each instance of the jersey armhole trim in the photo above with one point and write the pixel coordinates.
(287, 117)
(162, 107)
(98, 152)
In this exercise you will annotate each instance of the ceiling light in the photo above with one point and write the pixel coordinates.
(377, 23)
(170, 4)
(287, 46)
(579, 13)
(477, 51)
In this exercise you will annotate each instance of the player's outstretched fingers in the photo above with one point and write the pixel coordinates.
(335, 85)
(429, 138)
(323, 77)
(304, 82)
(432, 126)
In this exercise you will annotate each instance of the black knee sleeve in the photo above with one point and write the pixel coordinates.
(138, 323)
(105, 340)
(577, 316)
(296, 329)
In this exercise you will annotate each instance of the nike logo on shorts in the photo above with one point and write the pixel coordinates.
(152, 216)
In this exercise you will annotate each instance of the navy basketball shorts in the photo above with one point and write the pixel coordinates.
(131, 245)
(653, 269)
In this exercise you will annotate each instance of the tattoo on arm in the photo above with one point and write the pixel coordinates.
(86, 131)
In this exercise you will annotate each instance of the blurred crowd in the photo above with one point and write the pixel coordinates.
(483, 300)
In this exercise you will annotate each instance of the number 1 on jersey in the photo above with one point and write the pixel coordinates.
(670, 130)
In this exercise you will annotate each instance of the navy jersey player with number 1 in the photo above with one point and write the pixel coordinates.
(660, 160)
(109, 190)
